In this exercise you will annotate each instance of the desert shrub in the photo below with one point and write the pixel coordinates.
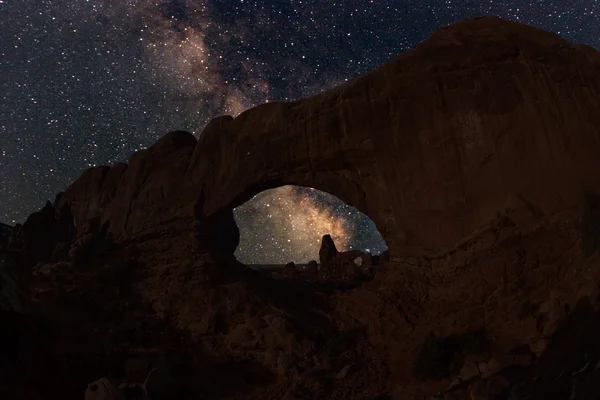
(441, 357)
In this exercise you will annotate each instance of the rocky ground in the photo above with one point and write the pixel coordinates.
(342, 331)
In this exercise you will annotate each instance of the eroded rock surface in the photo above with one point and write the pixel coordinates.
(5, 233)
(14, 283)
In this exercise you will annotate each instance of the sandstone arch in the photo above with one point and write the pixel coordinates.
(484, 116)
(278, 156)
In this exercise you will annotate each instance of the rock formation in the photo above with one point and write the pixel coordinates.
(328, 251)
(439, 151)
(475, 154)
(14, 284)
(347, 268)
(5, 232)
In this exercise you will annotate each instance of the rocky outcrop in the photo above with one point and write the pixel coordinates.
(348, 268)
(476, 155)
(42, 232)
(5, 232)
(328, 251)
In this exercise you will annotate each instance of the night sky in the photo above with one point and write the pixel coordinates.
(89, 82)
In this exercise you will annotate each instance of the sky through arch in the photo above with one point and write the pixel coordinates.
(287, 223)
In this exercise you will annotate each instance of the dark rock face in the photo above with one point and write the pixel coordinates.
(375, 134)
(42, 232)
(39, 235)
(219, 232)
(312, 268)
(14, 284)
(5, 232)
(476, 155)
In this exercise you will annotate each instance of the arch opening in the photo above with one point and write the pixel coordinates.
(287, 224)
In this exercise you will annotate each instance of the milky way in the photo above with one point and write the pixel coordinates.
(89, 82)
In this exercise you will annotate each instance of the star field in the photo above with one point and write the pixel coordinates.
(89, 82)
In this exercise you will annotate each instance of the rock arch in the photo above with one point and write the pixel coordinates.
(486, 115)
(220, 220)
(281, 156)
